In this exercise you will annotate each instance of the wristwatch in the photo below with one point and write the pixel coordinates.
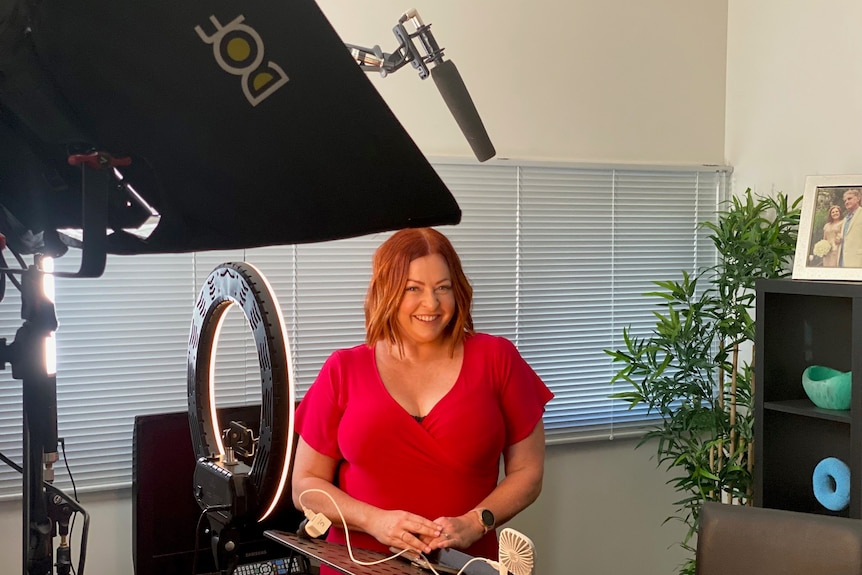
(486, 518)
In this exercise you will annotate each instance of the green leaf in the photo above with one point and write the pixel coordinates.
(682, 369)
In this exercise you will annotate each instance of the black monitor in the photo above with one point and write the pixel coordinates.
(164, 511)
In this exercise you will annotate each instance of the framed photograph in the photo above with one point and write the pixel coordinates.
(829, 246)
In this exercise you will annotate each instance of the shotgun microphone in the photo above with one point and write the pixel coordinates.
(427, 57)
(457, 98)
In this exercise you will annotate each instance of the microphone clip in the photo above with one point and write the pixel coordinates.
(374, 59)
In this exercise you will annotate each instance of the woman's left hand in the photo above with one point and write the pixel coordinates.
(458, 532)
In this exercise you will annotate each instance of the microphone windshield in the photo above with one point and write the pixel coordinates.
(459, 102)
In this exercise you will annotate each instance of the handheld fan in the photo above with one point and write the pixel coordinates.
(517, 553)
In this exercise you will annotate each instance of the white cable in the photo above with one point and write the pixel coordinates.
(427, 564)
(347, 533)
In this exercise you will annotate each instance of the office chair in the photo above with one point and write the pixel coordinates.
(737, 540)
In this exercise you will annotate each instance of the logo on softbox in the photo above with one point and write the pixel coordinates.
(238, 49)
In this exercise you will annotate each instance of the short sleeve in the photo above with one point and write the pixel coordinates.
(523, 394)
(319, 414)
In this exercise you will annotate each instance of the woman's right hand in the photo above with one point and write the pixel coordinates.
(402, 529)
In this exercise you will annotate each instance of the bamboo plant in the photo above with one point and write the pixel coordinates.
(695, 370)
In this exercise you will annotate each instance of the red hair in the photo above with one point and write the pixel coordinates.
(389, 278)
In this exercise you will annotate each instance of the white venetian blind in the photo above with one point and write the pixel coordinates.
(559, 256)
(593, 241)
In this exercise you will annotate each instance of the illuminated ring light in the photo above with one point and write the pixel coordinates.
(831, 482)
(241, 284)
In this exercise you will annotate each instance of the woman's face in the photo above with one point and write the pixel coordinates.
(428, 304)
(835, 213)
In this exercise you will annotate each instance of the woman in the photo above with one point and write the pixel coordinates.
(833, 230)
(406, 431)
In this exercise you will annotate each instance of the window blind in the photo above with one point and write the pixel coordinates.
(559, 255)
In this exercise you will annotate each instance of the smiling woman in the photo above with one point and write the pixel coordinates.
(558, 255)
(425, 402)
(432, 269)
(417, 373)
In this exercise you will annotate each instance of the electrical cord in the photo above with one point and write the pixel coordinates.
(62, 441)
(294, 559)
(73, 503)
(11, 463)
(306, 566)
(422, 562)
(197, 541)
(198, 532)
(311, 514)
(76, 507)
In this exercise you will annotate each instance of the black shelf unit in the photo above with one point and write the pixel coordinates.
(799, 324)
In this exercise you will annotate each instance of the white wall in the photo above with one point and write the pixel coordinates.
(585, 80)
(600, 513)
(110, 536)
(591, 80)
(794, 92)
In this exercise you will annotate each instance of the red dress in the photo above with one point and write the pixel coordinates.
(443, 466)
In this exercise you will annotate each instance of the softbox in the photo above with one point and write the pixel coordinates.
(247, 124)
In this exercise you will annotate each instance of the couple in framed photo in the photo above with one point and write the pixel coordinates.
(829, 245)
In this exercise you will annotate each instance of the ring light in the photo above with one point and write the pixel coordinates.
(241, 284)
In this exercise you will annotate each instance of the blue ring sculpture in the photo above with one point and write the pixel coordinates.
(831, 481)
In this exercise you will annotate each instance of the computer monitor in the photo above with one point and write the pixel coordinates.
(164, 511)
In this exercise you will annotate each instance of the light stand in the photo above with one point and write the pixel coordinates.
(33, 358)
(300, 167)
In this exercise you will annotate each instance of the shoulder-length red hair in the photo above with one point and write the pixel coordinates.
(389, 278)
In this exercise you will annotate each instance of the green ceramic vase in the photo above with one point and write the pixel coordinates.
(826, 387)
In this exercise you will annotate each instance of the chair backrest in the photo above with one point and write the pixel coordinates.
(737, 540)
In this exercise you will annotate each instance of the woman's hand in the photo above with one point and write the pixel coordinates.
(457, 532)
(404, 530)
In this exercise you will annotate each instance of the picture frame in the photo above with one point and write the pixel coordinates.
(822, 250)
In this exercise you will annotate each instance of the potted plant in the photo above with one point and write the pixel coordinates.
(692, 372)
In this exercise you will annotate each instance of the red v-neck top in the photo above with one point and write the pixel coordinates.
(443, 466)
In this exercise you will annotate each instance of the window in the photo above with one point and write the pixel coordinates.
(559, 256)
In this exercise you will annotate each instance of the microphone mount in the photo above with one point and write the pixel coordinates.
(427, 58)
(375, 60)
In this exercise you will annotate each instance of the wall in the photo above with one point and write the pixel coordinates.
(585, 80)
(600, 513)
(794, 92)
(590, 80)
(110, 534)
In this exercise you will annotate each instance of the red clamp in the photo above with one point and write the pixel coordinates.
(99, 160)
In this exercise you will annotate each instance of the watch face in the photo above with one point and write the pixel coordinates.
(487, 518)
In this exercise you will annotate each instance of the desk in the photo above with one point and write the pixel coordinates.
(336, 556)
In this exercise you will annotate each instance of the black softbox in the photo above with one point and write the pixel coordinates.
(246, 123)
